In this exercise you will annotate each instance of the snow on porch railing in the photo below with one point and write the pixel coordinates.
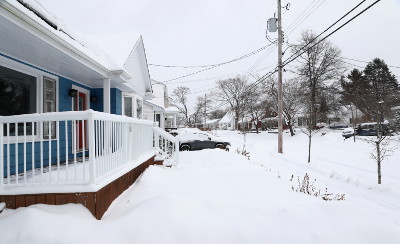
(69, 148)
(166, 144)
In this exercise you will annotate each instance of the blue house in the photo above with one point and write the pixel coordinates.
(70, 115)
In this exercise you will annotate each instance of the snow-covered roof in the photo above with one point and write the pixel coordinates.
(156, 107)
(118, 56)
(228, 117)
(118, 46)
(172, 109)
(38, 13)
(157, 82)
(212, 121)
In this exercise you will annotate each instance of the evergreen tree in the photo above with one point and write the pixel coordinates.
(374, 91)
(382, 90)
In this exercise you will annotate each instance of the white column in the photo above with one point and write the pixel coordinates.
(162, 122)
(106, 95)
(174, 121)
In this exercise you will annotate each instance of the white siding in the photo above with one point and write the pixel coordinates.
(159, 93)
(148, 113)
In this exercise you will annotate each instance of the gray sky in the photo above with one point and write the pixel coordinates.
(189, 33)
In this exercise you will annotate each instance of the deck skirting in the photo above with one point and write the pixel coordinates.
(97, 202)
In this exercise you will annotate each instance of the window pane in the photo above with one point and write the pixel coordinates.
(49, 105)
(158, 119)
(17, 92)
(49, 95)
(128, 106)
(17, 96)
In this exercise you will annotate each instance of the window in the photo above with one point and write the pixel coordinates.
(21, 89)
(158, 119)
(133, 106)
(17, 96)
(128, 106)
(49, 105)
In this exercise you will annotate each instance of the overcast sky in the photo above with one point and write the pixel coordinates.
(191, 33)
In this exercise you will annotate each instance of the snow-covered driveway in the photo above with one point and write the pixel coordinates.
(212, 196)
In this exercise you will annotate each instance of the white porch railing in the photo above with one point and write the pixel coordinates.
(166, 144)
(58, 152)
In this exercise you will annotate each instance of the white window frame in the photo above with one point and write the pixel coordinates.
(81, 90)
(39, 75)
(134, 97)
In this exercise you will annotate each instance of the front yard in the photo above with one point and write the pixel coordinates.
(214, 196)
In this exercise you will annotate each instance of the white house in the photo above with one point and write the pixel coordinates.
(164, 114)
(227, 122)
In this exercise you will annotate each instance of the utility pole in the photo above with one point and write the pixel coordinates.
(280, 95)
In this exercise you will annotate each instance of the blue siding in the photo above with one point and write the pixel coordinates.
(116, 101)
(65, 101)
(97, 106)
(64, 104)
(48, 156)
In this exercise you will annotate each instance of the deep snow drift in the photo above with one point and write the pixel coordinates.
(214, 196)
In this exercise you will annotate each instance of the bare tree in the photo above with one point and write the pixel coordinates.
(317, 67)
(234, 92)
(292, 103)
(180, 101)
(256, 105)
(201, 109)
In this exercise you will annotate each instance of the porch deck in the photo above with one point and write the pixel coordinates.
(74, 152)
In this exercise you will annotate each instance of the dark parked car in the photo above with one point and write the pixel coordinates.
(370, 129)
(196, 140)
(367, 129)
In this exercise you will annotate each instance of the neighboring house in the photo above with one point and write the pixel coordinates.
(164, 113)
(62, 133)
(227, 122)
(212, 124)
(209, 124)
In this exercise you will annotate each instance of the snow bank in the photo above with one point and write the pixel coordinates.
(215, 196)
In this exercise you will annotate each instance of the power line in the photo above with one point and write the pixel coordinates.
(358, 66)
(308, 9)
(337, 29)
(361, 61)
(261, 59)
(210, 65)
(215, 77)
(306, 17)
(270, 73)
(300, 15)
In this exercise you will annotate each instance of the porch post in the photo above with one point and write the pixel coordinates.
(162, 121)
(106, 95)
(174, 121)
(91, 146)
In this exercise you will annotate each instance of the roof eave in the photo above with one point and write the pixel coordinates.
(69, 48)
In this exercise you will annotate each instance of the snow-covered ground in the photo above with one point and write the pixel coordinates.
(214, 196)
